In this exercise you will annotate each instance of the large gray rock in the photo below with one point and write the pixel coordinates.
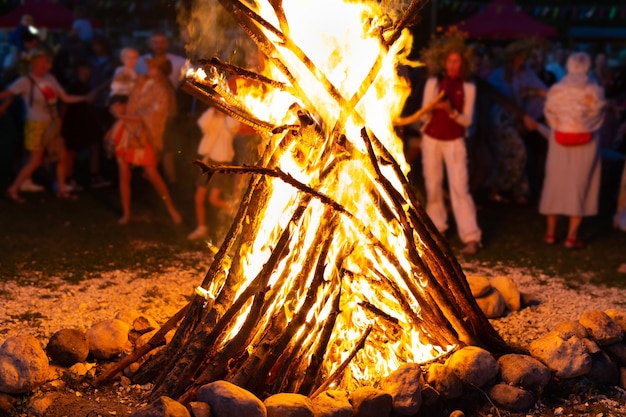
(523, 371)
(229, 400)
(618, 316)
(601, 327)
(571, 327)
(404, 386)
(288, 405)
(162, 407)
(492, 304)
(508, 289)
(371, 402)
(567, 358)
(23, 365)
(444, 381)
(511, 398)
(591, 346)
(108, 339)
(68, 346)
(332, 403)
(479, 286)
(473, 365)
(128, 316)
(199, 409)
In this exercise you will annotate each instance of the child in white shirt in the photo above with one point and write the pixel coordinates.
(124, 80)
(216, 147)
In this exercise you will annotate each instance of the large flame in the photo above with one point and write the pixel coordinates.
(344, 41)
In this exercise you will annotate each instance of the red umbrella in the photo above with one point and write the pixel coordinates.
(504, 19)
(45, 13)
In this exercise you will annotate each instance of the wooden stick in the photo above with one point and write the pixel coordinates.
(409, 18)
(276, 173)
(208, 95)
(359, 345)
(270, 352)
(312, 373)
(242, 72)
(158, 339)
(403, 121)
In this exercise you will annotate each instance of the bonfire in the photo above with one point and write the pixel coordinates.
(331, 273)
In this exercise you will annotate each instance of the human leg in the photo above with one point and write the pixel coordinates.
(432, 163)
(551, 220)
(455, 157)
(169, 166)
(125, 177)
(34, 161)
(572, 241)
(61, 170)
(159, 185)
(200, 199)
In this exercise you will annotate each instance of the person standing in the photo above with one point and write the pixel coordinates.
(443, 147)
(40, 91)
(216, 147)
(524, 93)
(574, 111)
(78, 121)
(138, 134)
(159, 44)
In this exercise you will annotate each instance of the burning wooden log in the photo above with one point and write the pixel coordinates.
(330, 248)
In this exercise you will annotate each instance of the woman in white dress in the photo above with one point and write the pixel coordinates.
(574, 110)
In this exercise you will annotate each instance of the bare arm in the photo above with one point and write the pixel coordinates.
(70, 98)
(6, 97)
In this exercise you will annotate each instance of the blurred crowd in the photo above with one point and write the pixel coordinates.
(491, 120)
(503, 121)
(79, 114)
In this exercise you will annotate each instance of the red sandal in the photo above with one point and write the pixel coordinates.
(549, 239)
(574, 244)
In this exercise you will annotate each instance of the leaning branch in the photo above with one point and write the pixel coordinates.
(158, 339)
(276, 173)
(360, 345)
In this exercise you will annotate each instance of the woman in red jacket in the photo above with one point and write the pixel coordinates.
(443, 146)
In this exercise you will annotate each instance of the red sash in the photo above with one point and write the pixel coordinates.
(572, 139)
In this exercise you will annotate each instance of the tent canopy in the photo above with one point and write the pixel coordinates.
(45, 13)
(504, 19)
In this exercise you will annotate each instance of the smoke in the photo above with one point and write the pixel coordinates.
(209, 30)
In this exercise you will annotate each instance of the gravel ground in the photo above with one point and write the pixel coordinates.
(42, 310)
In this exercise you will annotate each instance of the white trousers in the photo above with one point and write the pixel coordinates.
(453, 155)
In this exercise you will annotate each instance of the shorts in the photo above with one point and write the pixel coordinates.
(33, 134)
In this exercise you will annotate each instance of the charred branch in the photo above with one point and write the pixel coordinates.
(339, 371)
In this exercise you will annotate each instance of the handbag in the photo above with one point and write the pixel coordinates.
(572, 138)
